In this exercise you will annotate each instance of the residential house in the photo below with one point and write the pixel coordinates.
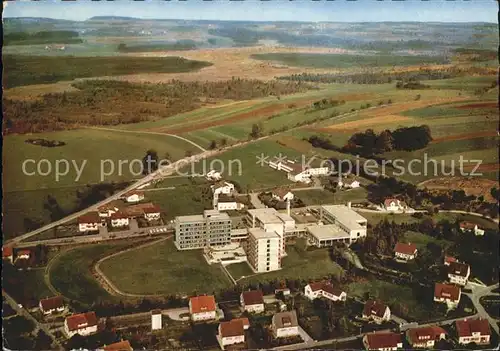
(473, 330)
(282, 194)
(458, 273)
(222, 187)
(285, 324)
(425, 337)
(324, 289)
(232, 332)
(286, 166)
(303, 174)
(123, 345)
(229, 206)
(8, 253)
(213, 175)
(394, 205)
(152, 213)
(105, 211)
(23, 254)
(448, 260)
(134, 196)
(284, 291)
(471, 227)
(119, 219)
(448, 294)
(252, 301)
(382, 341)
(202, 308)
(405, 252)
(83, 324)
(52, 305)
(377, 311)
(89, 222)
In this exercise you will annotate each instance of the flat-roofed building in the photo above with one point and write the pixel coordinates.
(327, 235)
(263, 250)
(213, 228)
(346, 219)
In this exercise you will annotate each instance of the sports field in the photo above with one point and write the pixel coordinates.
(161, 269)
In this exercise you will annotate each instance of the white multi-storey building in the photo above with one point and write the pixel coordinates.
(263, 250)
(213, 228)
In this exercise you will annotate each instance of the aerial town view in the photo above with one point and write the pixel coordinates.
(250, 175)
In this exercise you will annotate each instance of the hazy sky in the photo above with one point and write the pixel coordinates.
(273, 10)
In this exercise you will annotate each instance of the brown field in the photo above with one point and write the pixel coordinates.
(480, 105)
(387, 114)
(294, 143)
(485, 167)
(465, 136)
(471, 186)
(266, 111)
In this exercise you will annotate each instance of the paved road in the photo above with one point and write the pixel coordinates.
(477, 293)
(22, 312)
(254, 199)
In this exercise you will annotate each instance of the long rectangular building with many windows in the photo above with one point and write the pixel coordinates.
(213, 228)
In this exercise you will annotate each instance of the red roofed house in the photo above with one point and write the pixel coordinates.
(458, 273)
(89, 222)
(425, 337)
(377, 311)
(83, 324)
(448, 260)
(405, 252)
(51, 305)
(123, 345)
(134, 196)
(107, 210)
(325, 289)
(448, 294)
(394, 205)
(152, 213)
(23, 255)
(252, 301)
(382, 341)
(7, 253)
(202, 308)
(473, 330)
(232, 332)
(471, 227)
(119, 219)
(282, 194)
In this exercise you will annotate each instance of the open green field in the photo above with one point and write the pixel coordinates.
(346, 61)
(26, 70)
(421, 240)
(24, 194)
(161, 269)
(239, 270)
(317, 197)
(70, 272)
(299, 264)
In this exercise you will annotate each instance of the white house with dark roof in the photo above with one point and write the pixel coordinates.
(52, 305)
(89, 222)
(458, 273)
(222, 187)
(324, 289)
(448, 294)
(285, 324)
(252, 301)
(83, 324)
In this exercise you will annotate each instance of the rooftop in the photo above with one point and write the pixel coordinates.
(447, 291)
(81, 320)
(406, 249)
(123, 345)
(345, 215)
(466, 327)
(383, 340)
(285, 319)
(52, 303)
(327, 232)
(202, 304)
(215, 214)
(190, 218)
(259, 233)
(457, 268)
(253, 297)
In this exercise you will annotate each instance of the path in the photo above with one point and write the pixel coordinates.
(477, 293)
(254, 199)
(109, 285)
(147, 132)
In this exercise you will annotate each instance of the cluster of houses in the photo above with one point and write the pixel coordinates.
(120, 217)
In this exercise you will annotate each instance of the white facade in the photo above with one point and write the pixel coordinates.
(152, 216)
(230, 340)
(107, 212)
(313, 292)
(263, 250)
(120, 222)
(256, 308)
(226, 188)
(52, 310)
(156, 320)
(450, 302)
(204, 316)
(229, 205)
(88, 227)
(286, 197)
(475, 338)
(404, 256)
(475, 229)
(286, 332)
(459, 279)
(83, 330)
(213, 175)
(355, 184)
(394, 205)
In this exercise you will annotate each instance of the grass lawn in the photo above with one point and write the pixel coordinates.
(70, 273)
(421, 240)
(394, 295)
(319, 197)
(161, 269)
(311, 264)
(238, 270)
(375, 218)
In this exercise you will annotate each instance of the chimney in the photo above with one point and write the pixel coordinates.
(288, 206)
(349, 204)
